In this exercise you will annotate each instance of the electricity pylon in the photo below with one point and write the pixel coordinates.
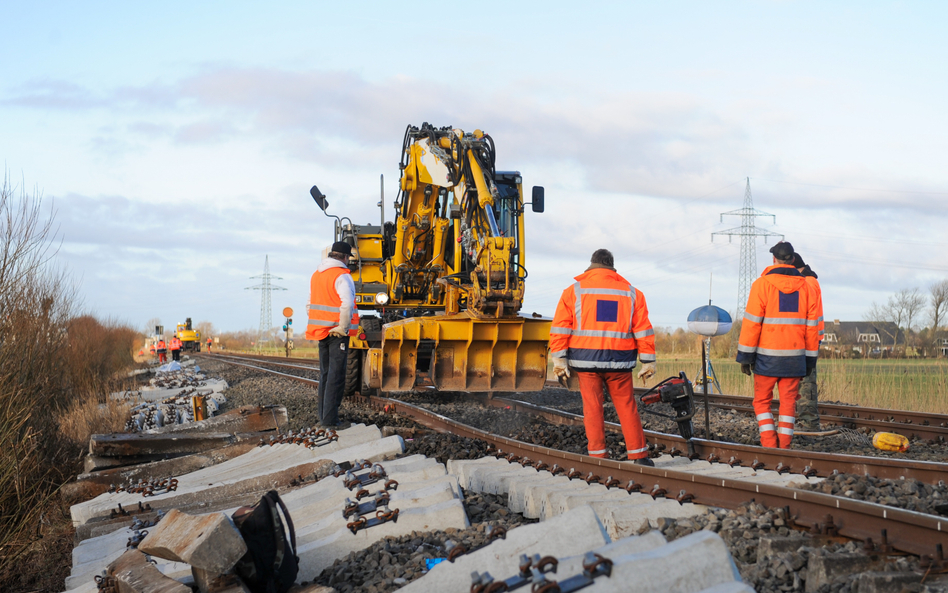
(266, 317)
(748, 233)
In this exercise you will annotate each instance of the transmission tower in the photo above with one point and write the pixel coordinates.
(748, 233)
(265, 287)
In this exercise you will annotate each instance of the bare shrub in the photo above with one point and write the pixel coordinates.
(51, 363)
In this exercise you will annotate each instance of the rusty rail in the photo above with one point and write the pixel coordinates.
(908, 531)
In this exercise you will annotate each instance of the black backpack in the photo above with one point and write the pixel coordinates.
(270, 564)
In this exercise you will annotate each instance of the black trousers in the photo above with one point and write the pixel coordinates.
(333, 352)
(175, 355)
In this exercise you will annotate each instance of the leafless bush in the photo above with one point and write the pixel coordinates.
(51, 362)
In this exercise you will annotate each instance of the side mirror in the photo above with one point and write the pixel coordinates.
(321, 200)
(536, 200)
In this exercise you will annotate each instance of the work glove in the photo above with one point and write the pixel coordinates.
(339, 332)
(746, 369)
(560, 369)
(648, 369)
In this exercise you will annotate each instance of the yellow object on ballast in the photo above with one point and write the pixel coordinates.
(889, 441)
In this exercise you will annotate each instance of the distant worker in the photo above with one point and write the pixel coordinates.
(162, 351)
(209, 343)
(332, 319)
(808, 412)
(600, 327)
(175, 348)
(778, 343)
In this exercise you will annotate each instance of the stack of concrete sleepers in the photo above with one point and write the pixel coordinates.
(425, 496)
(568, 508)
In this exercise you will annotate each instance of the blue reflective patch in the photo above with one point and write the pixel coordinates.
(607, 311)
(790, 302)
(431, 562)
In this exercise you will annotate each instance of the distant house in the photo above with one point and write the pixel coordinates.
(869, 338)
(941, 344)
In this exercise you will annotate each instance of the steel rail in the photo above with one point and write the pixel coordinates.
(908, 531)
(920, 425)
(796, 461)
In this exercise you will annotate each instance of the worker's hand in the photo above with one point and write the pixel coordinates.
(560, 368)
(648, 369)
(746, 369)
(338, 332)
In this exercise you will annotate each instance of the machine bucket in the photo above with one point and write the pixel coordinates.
(464, 353)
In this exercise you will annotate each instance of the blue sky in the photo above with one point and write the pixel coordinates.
(178, 142)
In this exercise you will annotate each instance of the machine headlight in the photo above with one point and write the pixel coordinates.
(381, 298)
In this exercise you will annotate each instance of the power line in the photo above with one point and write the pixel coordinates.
(890, 191)
(748, 233)
(266, 316)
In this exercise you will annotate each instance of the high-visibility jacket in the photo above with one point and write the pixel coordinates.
(779, 331)
(811, 279)
(325, 304)
(175, 344)
(161, 345)
(601, 324)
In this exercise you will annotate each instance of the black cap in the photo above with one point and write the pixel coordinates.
(782, 250)
(341, 247)
(797, 260)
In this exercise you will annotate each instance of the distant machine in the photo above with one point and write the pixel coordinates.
(190, 338)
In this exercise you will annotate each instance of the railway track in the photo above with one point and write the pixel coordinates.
(914, 425)
(723, 475)
(797, 461)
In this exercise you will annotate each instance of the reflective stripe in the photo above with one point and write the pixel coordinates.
(324, 308)
(784, 321)
(578, 305)
(596, 452)
(812, 353)
(820, 318)
(634, 451)
(632, 309)
(773, 352)
(647, 357)
(607, 291)
(753, 318)
(588, 364)
(766, 428)
(558, 353)
(644, 334)
(324, 323)
(812, 322)
(592, 333)
(821, 332)
(766, 416)
(561, 330)
(788, 419)
(748, 349)
(787, 431)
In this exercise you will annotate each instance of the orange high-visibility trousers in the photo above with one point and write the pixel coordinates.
(780, 433)
(620, 389)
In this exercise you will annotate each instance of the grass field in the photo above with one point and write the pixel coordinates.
(895, 384)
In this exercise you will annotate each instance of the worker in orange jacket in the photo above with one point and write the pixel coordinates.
(332, 320)
(600, 328)
(808, 412)
(175, 348)
(162, 351)
(778, 343)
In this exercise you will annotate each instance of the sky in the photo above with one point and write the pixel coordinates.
(176, 143)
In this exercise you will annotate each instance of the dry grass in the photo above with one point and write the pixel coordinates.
(90, 417)
(893, 384)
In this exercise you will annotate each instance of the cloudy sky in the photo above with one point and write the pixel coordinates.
(177, 141)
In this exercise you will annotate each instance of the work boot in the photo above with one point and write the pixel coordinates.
(644, 461)
(808, 427)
